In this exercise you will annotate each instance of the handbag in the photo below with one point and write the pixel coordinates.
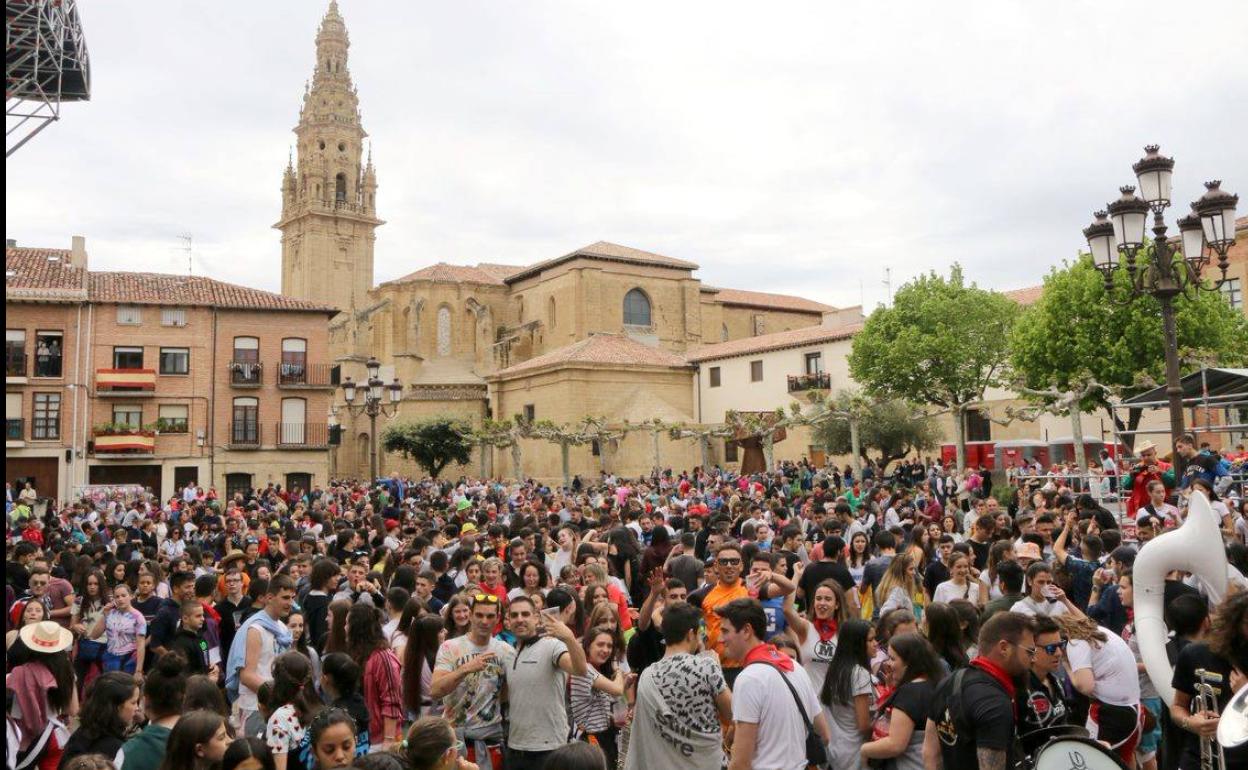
(816, 750)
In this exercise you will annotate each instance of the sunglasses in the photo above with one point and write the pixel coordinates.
(1031, 651)
(1051, 649)
(487, 598)
(729, 562)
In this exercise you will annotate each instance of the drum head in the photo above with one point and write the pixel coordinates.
(1074, 753)
(1034, 740)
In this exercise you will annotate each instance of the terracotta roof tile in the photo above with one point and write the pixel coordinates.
(1025, 296)
(608, 251)
(46, 273)
(441, 272)
(794, 338)
(612, 349)
(762, 299)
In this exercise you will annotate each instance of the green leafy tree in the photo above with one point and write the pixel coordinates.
(1075, 335)
(892, 429)
(432, 443)
(943, 342)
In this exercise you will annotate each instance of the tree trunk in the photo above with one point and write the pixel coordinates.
(855, 447)
(658, 464)
(769, 450)
(517, 466)
(959, 435)
(1076, 427)
(564, 451)
(704, 445)
(486, 469)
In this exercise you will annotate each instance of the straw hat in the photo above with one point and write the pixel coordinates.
(46, 636)
(1028, 551)
(1144, 446)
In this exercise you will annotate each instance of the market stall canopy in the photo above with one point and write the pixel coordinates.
(1221, 383)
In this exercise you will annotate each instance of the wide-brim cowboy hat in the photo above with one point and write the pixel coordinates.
(1144, 446)
(232, 556)
(46, 636)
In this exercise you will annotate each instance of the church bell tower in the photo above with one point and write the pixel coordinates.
(329, 189)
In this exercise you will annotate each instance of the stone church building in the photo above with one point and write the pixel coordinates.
(603, 330)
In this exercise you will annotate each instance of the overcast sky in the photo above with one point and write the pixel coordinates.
(789, 147)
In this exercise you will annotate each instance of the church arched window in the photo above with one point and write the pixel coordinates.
(636, 308)
(340, 187)
(444, 331)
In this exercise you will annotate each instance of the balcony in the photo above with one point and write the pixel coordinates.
(129, 383)
(48, 365)
(14, 364)
(818, 381)
(246, 374)
(14, 429)
(307, 376)
(297, 435)
(124, 441)
(243, 435)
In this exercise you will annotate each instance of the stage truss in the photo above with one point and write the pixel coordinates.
(45, 66)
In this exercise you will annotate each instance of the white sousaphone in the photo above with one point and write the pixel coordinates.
(1195, 547)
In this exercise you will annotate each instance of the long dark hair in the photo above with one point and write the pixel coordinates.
(343, 672)
(165, 686)
(81, 589)
(851, 652)
(191, 730)
(57, 663)
(920, 659)
(607, 669)
(336, 641)
(944, 632)
(364, 636)
(292, 684)
(422, 645)
(242, 749)
(104, 698)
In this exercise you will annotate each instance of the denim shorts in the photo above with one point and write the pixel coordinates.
(119, 662)
(1150, 740)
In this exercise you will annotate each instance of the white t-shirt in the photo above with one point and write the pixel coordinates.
(1117, 681)
(1029, 606)
(762, 699)
(948, 591)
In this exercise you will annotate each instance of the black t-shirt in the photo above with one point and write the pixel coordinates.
(914, 698)
(819, 571)
(1040, 706)
(981, 553)
(985, 720)
(936, 574)
(1192, 658)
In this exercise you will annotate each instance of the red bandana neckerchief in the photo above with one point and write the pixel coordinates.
(997, 673)
(767, 653)
(826, 628)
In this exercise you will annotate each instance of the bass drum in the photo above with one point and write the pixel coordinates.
(1074, 753)
(1035, 740)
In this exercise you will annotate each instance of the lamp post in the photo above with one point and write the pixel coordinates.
(1120, 231)
(373, 405)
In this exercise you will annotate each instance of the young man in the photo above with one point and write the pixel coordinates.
(1010, 580)
(262, 637)
(728, 587)
(683, 683)
(1042, 701)
(547, 652)
(769, 733)
(1197, 464)
(425, 583)
(1044, 597)
(1218, 662)
(191, 642)
(233, 608)
(468, 677)
(978, 731)
(359, 588)
(165, 624)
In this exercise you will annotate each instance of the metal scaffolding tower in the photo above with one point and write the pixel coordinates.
(45, 65)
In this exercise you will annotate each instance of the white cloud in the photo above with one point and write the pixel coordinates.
(798, 147)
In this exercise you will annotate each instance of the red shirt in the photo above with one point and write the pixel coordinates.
(383, 694)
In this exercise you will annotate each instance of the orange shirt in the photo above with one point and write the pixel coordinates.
(718, 597)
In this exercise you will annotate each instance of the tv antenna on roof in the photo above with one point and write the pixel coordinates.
(187, 240)
(888, 283)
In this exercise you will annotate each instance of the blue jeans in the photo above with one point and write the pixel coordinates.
(119, 662)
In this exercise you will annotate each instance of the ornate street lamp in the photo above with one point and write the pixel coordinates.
(374, 404)
(1121, 229)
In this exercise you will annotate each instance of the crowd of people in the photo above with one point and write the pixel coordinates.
(701, 619)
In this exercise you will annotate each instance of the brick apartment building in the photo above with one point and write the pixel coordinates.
(122, 378)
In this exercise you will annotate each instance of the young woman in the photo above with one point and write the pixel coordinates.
(950, 525)
(107, 713)
(125, 631)
(340, 685)
(32, 612)
(332, 734)
(1103, 668)
(595, 595)
(593, 695)
(336, 638)
(533, 580)
(943, 630)
(847, 694)
(458, 613)
(894, 623)
(998, 552)
(247, 754)
(604, 616)
(203, 694)
(197, 742)
(424, 636)
(90, 596)
(298, 626)
(859, 555)
(292, 704)
(816, 632)
(431, 745)
(901, 717)
(968, 620)
(164, 689)
(897, 587)
(960, 585)
(42, 686)
(383, 688)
